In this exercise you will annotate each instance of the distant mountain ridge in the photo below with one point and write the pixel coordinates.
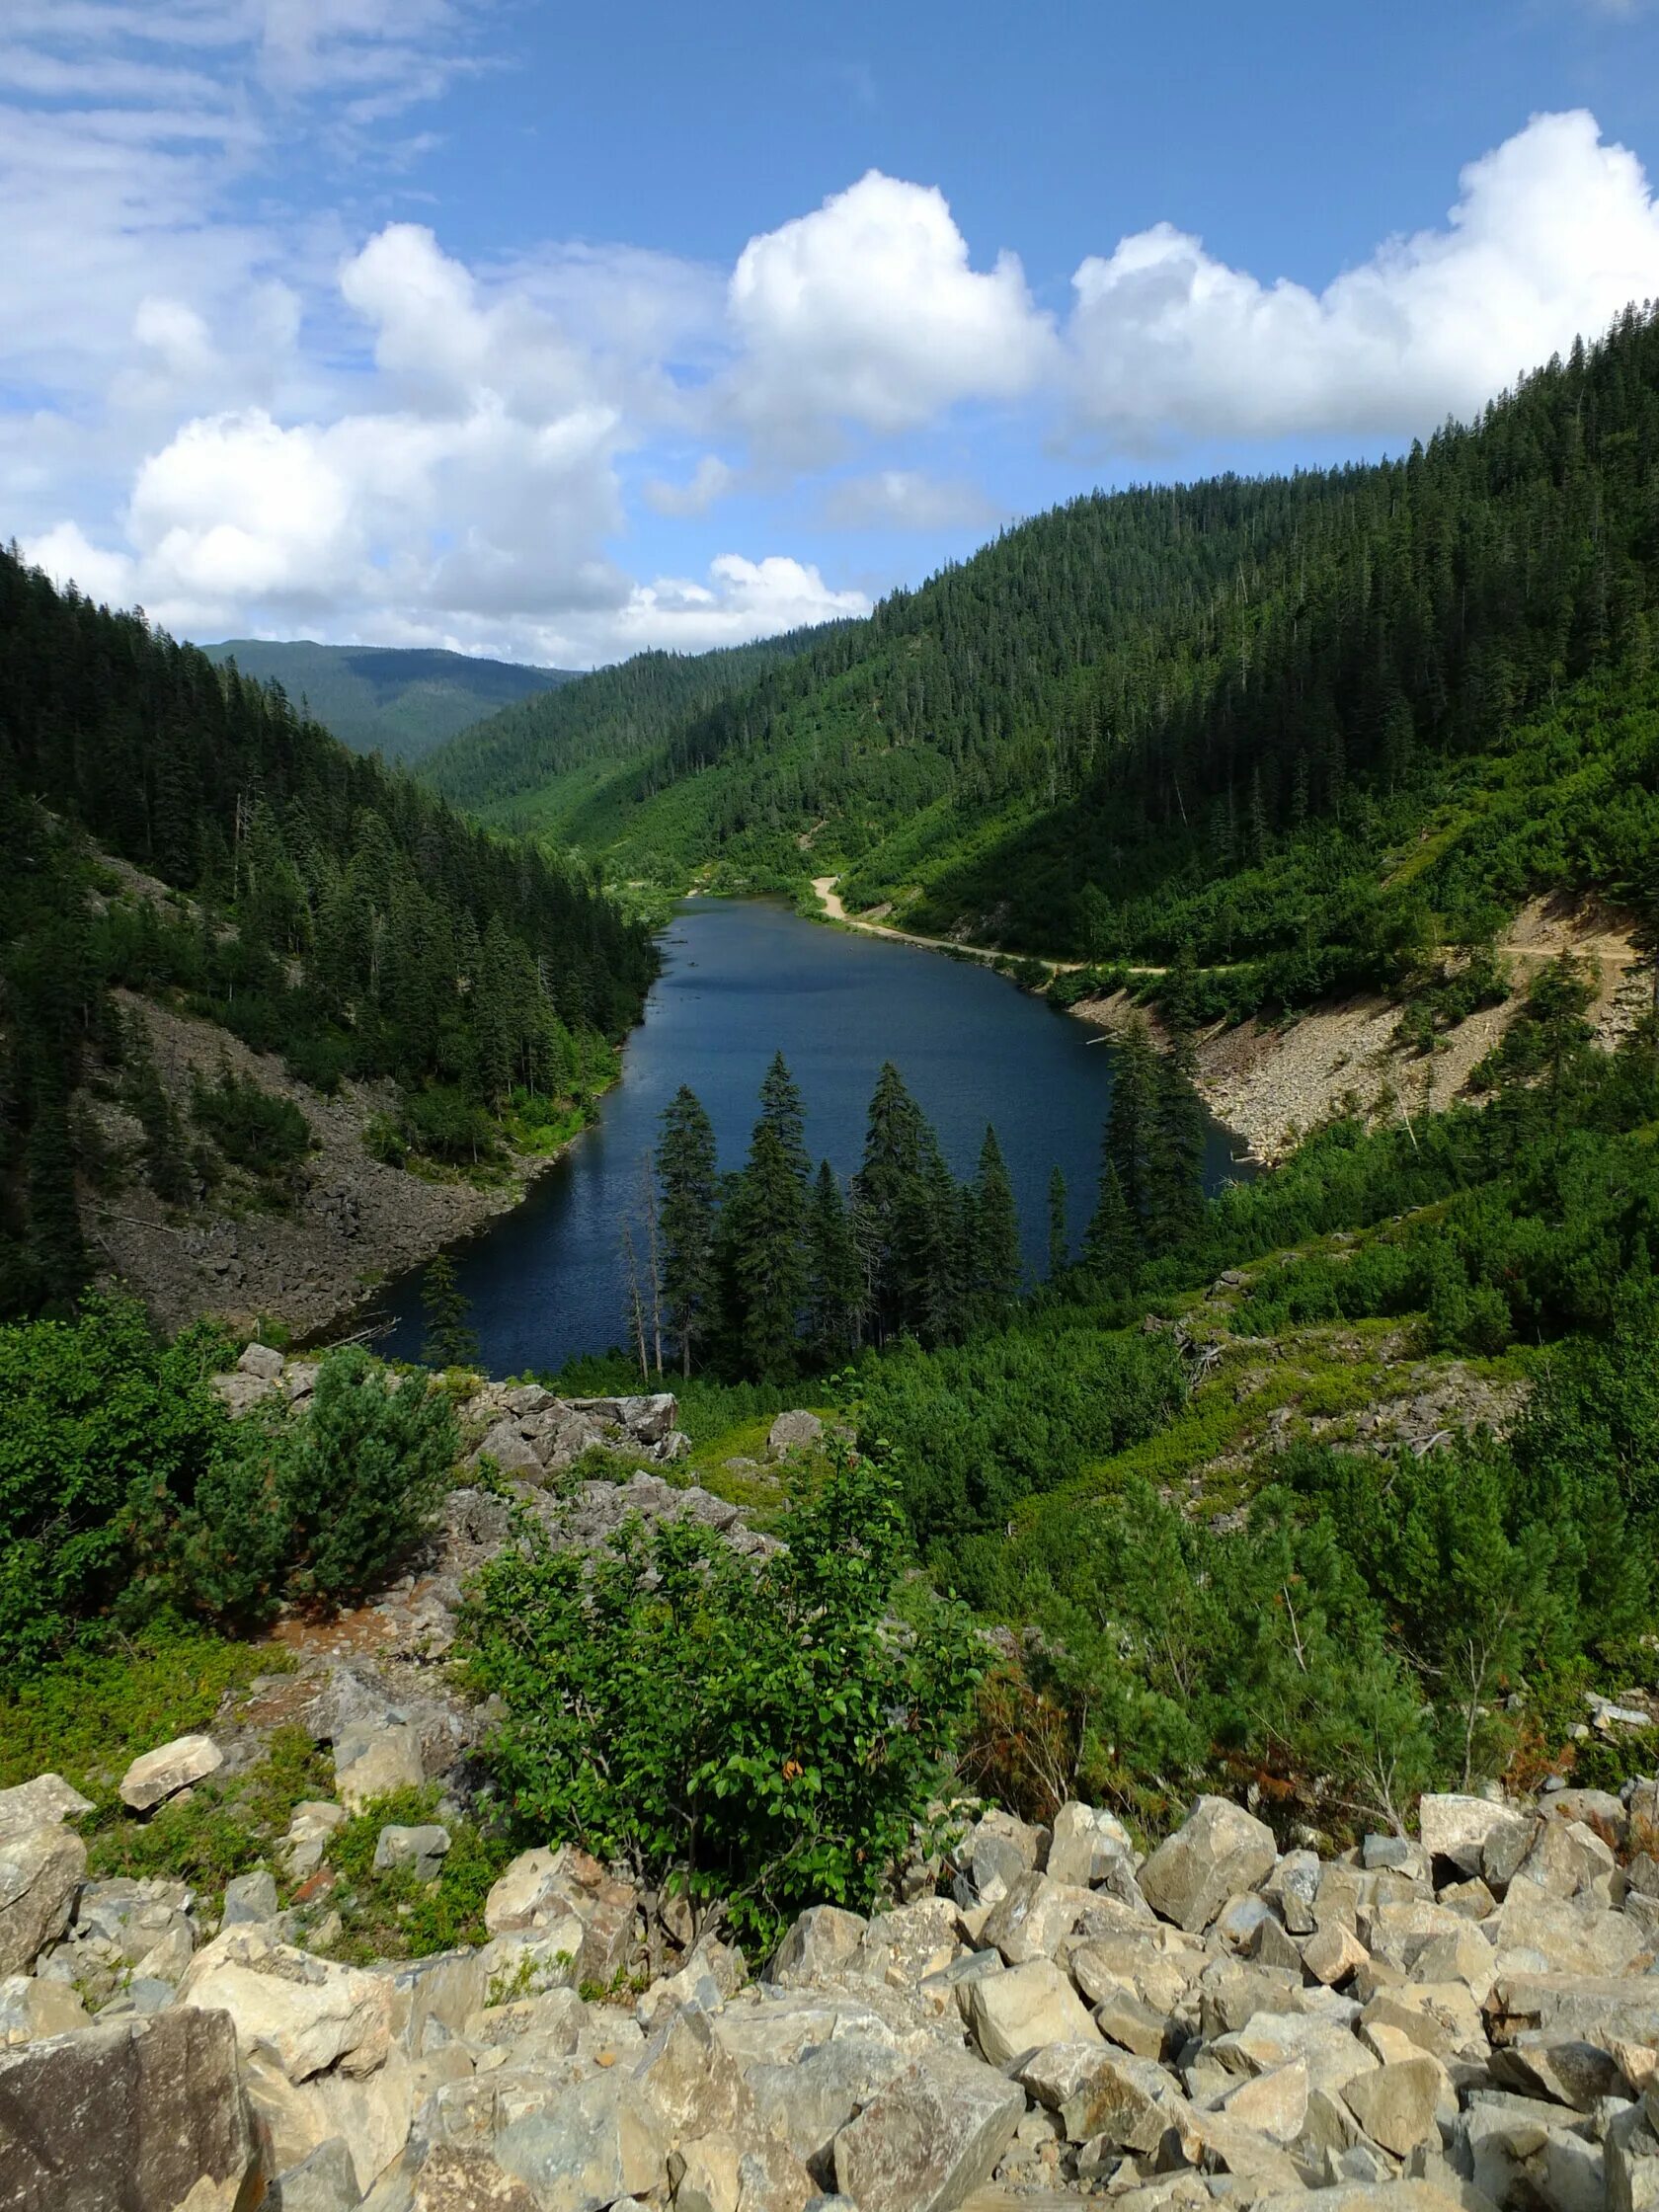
(396, 700)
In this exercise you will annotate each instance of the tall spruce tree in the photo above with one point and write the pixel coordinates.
(993, 1245)
(688, 1180)
(891, 1200)
(834, 1278)
(1132, 1131)
(1111, 1246)
(1175, 1197)
(766, 1222)
(1059, 1240)
(448, 1339)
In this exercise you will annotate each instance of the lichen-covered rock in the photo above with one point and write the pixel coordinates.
(39, 1803)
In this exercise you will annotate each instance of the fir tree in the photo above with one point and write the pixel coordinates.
(1111, 1246)
(892, 1198)
(766, 1218)
(688, 1180)
(449, 1340)
(994, 1247)
(1059, 1241)
(1131, 1128)
(1175, 1193)
(836, 1282)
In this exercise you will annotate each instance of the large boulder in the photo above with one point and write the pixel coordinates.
(566, 1889)
(138, 2112)
(1019, 2011)
(1458, 1829)
(1218, 1850)
(303, 2013)
(370, 2112)
(590, 2146)
(1089, 1847)
(796, 1431)
(155, 1776)
(41, 1870)
(39, 1803)
(31, 2010)
(931, 2137)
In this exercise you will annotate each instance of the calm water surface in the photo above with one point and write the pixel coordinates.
(741, 979)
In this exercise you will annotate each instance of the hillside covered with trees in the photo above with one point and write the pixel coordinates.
(557, 763)
(399, 701)
(316, 905)
(1291, 728)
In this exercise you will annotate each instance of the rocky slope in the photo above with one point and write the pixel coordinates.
(1465, 2017)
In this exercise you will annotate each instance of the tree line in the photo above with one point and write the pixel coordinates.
(777, 1265)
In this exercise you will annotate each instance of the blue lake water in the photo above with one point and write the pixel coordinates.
(741, 979)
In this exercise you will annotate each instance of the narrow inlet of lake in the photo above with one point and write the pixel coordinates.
(741, 981)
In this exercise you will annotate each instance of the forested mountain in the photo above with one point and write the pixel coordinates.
(1221, 716)
(551, 760)
(336, 913)
(396, 700)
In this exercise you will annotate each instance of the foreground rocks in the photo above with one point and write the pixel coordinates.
(1467, 2018)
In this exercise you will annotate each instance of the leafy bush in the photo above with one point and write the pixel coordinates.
(443, 1123)
(95, 1418)
(764, 1734)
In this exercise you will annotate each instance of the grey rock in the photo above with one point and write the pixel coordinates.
(326, 2182)
(1218, 1850)
(593, 2144)
(931, 2137)
(249, 1898)
(797, 1431)
(423, 1848)
(39, 1803)
(134, 2113)
(155, 1776)
(260, 1360)
(41, 1870)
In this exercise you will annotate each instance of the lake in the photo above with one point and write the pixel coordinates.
(742, 979)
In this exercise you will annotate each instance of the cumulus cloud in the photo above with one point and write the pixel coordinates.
(742, 600)
(868, 311)
(904, 499)
(712, 479)
(1552, 235)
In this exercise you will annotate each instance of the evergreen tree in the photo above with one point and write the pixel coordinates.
(836, 1282)
(1175, 1194)
(993, 1246)
(782, 1105)
(1131, 1128)
(766, 1220)
(1059, 1241)
(449, 1340)
(688, 1180)
(1111, 1246)
(892, 1198)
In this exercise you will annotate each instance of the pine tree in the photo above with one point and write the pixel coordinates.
(687, 1176)
(993, 1245)
(834, 1280)
(1059, 1241)
(444, 1308)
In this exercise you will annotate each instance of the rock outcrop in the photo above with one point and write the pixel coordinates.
(1469, 2019)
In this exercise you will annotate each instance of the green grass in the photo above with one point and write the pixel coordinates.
(223, 1828)
(393, 1914)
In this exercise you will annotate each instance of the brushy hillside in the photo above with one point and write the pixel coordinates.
(1290, 728)
(395, 700)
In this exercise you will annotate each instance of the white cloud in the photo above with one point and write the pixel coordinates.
(905, 499)
(742, 600)
(868, 311)
(1553, 233)
(712, 479)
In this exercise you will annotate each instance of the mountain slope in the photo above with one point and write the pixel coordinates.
(1253, 724)
(395, 700)
(175, 830)
(550, 762)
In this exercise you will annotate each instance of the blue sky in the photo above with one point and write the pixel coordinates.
(557, 333)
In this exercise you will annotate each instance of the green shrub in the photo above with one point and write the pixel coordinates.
(95, 1419)
(390, 1912)
(253, 1128)
(764, 1734)
(322, 1506)
(445, 1124)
